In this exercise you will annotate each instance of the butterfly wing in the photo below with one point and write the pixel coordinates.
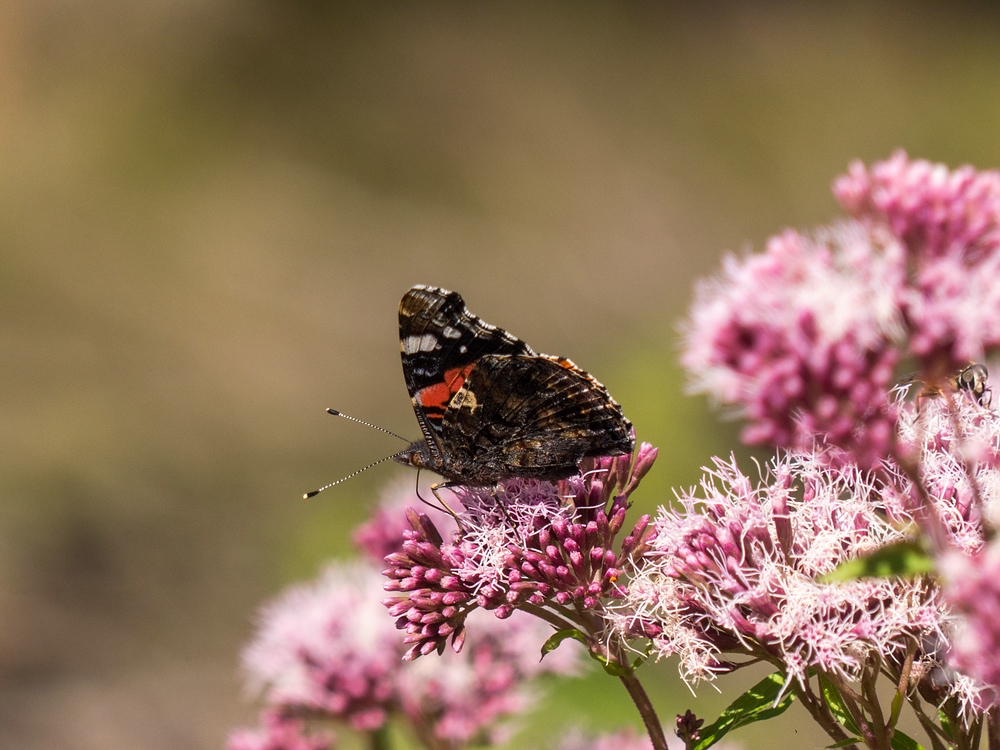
(440, 342)
(531, 416)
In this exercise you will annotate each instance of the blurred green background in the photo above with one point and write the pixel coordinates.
(210, 211)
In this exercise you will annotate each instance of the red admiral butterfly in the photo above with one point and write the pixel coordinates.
(489, 407)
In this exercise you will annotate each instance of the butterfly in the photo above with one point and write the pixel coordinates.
(490, 408)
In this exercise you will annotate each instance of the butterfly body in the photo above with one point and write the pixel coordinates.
(491, 408)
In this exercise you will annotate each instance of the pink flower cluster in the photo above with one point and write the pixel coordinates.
(279, 732)
(734, 572)
(933, 211)
(801, 338)
(956, 443)
(804, 338)
(525, 543)
(972, 588)
(327, 650)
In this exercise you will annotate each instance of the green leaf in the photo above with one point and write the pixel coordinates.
(897, 706)
(612, 668)
(901, 741)
(905, 559)
(845, 743)
(559, 636)
(837, 706)
(756, 704)
(839, 710)
(946, 724)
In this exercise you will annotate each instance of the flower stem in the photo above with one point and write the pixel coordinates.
(993, 728)
(821, 714)
(379, 739)
(646, 710)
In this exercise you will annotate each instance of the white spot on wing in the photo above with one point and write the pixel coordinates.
(426, 343)
(451, 333)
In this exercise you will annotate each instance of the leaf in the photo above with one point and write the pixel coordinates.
(756, 704)
(837, 706)
(559, 636)
(612, 668)
(845, 743)
(901, 741)
(839, 710)
(897, 706)
(905, 559)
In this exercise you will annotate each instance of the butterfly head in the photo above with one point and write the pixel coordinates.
(417, 455)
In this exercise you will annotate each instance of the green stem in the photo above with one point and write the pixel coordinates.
(379, 739)
(821, 714)
(646, 710)
(559, 623)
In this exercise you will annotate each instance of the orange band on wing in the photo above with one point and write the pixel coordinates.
(437, 396)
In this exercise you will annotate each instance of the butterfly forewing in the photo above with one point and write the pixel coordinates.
(439, 339)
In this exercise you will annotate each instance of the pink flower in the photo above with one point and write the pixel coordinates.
(934, 211)
(328, 649)
(278, 732)
(949, 223)
(735, 571)
(802, 340)
(525, 542)
(972, 588)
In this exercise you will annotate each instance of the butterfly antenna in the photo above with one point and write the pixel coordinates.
(336, 413)
(344, 479)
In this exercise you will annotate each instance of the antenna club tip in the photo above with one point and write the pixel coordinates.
(334, 412)
(310, 494)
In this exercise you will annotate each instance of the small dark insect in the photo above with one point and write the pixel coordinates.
(972, 379)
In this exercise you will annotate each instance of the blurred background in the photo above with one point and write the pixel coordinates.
(209, 210)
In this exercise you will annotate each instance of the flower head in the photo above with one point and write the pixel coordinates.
(278, 732)
(735, 571)
(524, 543)
(801, 339)
(933, 210)
(328, 649)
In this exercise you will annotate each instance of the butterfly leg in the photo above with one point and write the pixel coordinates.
(444, 506)
(502, 507)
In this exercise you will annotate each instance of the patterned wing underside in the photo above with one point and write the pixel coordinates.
(439, 341)
(533, 416)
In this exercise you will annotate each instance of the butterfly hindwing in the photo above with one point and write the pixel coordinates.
(532, 416)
